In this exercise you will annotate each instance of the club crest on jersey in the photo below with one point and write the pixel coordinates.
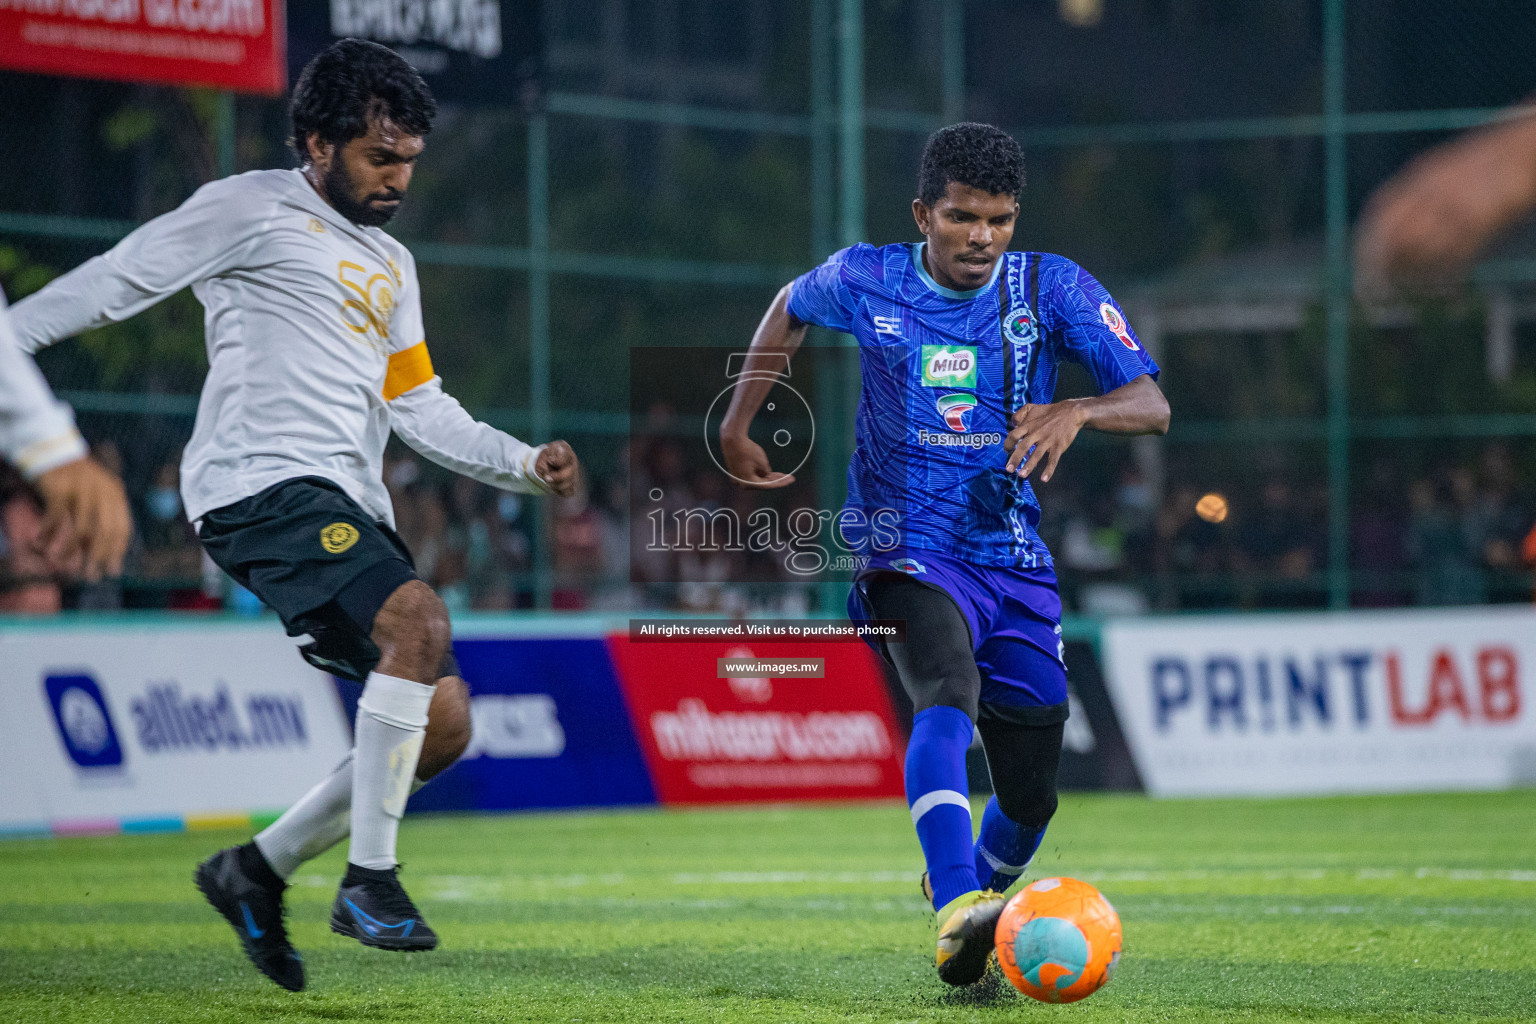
(956, 409)
(1116, 323)
(1019, 326)
(949, 366)
(910, 566)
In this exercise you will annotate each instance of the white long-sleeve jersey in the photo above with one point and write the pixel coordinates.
(37, 431)
(316, 348)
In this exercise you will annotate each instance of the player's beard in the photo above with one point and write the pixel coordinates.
(340, 191)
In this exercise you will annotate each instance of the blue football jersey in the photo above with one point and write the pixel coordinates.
(941, 372)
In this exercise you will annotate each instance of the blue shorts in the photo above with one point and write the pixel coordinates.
(1014, 616)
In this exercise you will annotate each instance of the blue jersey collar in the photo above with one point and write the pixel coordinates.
(950, 293)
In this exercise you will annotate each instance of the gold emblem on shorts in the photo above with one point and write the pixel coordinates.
(337, 537)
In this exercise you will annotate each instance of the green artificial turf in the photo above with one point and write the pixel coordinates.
(1358, 909)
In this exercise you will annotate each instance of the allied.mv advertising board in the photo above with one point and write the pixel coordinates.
(144, 727)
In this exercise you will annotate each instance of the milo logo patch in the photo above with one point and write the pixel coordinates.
(949, 366)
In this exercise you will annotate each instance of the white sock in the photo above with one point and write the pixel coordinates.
(313, 825)
(321, 819)
(391, 722)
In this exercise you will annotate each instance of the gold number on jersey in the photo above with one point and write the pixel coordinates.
(373, 309)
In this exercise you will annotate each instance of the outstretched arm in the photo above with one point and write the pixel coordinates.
(776, 340)
(1041, 433)
(433, 423)
(205, 236)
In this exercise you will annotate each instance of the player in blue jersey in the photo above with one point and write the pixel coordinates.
(959, 345)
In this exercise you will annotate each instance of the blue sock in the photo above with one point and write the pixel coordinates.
(1004, 848)
(938, 794)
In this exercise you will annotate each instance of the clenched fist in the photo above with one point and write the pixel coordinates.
(557, 466)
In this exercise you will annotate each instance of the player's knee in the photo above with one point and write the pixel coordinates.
(412, 630)
(957, 690)
(449, 728)
(1026, 804)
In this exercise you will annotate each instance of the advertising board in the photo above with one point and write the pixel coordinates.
(152, 727)
(715, 739)
(228, 44)
(550, 730)
(1327, 703)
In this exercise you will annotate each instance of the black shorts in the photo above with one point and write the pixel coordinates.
(317, 559)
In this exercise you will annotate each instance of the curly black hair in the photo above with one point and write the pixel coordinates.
(973, 154)
(351, 82)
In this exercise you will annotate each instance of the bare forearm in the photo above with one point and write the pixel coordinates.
(1431, 220)
(778, 335)
(1500, 162)
(1135, 408)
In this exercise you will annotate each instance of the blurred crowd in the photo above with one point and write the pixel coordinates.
(1459, 534)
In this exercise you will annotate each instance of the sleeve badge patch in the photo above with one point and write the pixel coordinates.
(1116, 323)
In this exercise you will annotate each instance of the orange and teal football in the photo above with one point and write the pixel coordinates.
(1058, 940)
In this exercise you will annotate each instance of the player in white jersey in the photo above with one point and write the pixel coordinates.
(316, 352)
(86, 525)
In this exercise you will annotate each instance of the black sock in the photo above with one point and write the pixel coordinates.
(255, 867)
(357, 875)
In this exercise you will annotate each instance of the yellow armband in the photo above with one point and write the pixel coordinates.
(407, 369)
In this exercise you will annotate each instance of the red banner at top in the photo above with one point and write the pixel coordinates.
(227, 44)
